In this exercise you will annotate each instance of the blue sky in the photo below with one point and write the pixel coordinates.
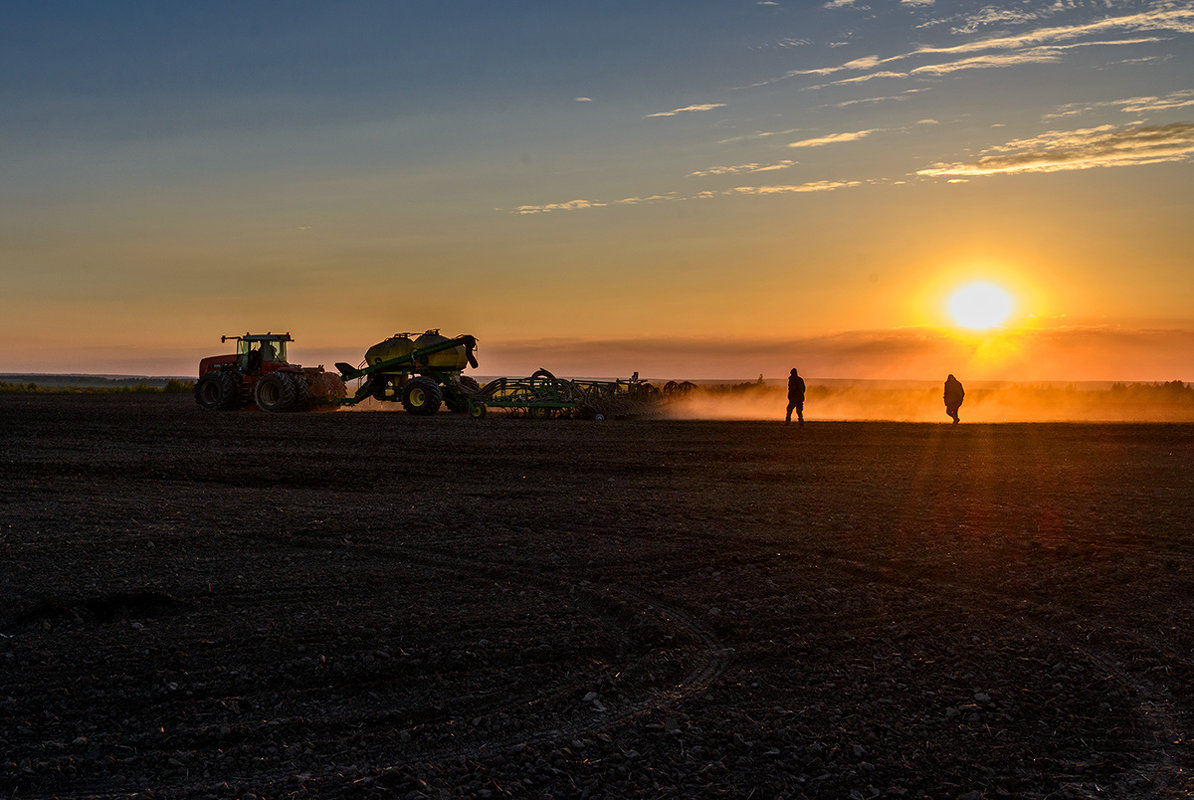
(571, 180)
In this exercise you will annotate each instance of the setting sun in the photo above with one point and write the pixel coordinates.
(980, 305)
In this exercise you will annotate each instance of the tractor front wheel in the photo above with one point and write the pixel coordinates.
(218, 391)
(421, 396)
(276, 392)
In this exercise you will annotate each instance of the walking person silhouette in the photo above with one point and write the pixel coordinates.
(953, 395)
(795, 397)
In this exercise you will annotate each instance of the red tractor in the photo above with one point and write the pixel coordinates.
(258, 372)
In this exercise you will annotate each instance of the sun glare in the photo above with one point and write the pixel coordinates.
(980, 305)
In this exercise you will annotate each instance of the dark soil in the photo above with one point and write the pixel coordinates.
(373, 604)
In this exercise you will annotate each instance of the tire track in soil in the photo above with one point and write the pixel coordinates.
(1155, 713)
(614, 601)
(1157, 716)
(613, 604)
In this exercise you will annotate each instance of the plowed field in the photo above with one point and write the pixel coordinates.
(373, 604)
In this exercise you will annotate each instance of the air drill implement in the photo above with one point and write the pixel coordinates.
(543, 395)
(421, 373)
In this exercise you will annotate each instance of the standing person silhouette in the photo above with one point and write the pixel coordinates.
(953, 397)
(795, 397)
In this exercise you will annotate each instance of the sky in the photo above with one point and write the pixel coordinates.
(705, 189)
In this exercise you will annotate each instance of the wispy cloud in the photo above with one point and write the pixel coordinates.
(653, 198)
(1130, 105)
(860, 79)
(582, 99)
(740, 168)
(737, 191)
(1089, 148)
(1039, 45)
(799, 188)
(571, 205)
(873, 100)
(866, 62)
(1031, 55)
(1036, 55)
(997, 16)
(757, 135)
(687, 109)
(1145, 105)
(1157, 59)
(833, 138)
(1179, 20)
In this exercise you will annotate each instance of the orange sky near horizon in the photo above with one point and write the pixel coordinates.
(783, 186)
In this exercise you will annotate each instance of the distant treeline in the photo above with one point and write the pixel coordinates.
(1168, 388)
(172, 386)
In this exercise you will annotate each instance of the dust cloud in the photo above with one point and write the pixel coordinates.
(922, 402)
(372, 404)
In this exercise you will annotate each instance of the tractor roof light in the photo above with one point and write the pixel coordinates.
(260, 337)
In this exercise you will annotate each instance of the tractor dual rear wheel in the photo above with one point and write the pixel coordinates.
(421, 396)
(218, 390)
(278, 392)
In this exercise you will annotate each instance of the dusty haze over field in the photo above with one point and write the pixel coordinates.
(907, 402)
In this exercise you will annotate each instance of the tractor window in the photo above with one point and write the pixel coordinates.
(244, 354)
(250, 353)
(273, 351)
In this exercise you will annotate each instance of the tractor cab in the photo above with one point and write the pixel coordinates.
(256, 353)
(255, 349)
